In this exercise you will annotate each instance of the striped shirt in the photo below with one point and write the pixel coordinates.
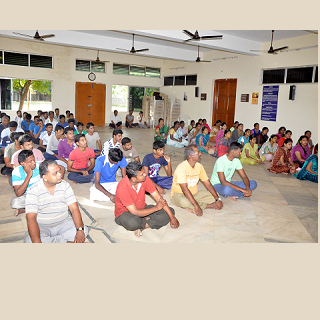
(51, 209)
(109, 145)
(19, 176)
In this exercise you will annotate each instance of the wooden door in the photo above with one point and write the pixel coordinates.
(90, 103)
(224, 101)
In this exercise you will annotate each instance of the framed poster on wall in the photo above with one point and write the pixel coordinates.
(269, 103)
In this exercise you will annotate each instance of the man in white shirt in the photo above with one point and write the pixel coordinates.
(18, 118)
(51, 119)
(116, 122)
(142, 122)
(114, 142)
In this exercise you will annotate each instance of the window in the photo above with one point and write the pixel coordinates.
(25, 60)
(168, 81)
(126, 98)
(98, 66)
(5, 94)
(152, 72)
(185, 80)
(273, 76)
(140, 71)
(307, 74)
(16, 59)
(137, 71)
(83, 65)
(179, 80)
(120, 69)
(40, 61)
(90, 66)
(299, 75)
(191, 80)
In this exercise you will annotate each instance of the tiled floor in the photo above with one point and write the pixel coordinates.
(281, 209)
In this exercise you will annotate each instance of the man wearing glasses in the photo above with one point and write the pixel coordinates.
(184, 191)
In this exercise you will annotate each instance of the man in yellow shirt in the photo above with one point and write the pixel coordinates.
(184, 190)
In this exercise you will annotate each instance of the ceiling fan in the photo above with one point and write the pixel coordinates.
(98, 59)
(196, 37)
(133, 50)
(199, 59)
(271, 50)
(36, 36)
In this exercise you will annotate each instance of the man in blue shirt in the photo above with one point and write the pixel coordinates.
(33, 125)
(23, 177)
(37, 131)
(153, 162)
(104, 180)
(26, 123)
(62, 122)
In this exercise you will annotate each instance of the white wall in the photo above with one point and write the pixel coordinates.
(298, 115)
(64, 76)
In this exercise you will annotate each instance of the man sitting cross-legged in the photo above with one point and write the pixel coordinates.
(23, 177)
(153, 162)
(65, 146)
(80, 171)
(47, 204)
(104, 182)
(184, 191)
(223, 171)
(93, 139)
(129, 152)
(53, 142)
(131, 211)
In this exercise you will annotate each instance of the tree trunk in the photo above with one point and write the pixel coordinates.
(23, 93)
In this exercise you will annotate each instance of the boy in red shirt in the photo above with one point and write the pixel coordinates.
(131, 210)
(78, 162)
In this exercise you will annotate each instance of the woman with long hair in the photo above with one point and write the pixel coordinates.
(301, 152)
(223, 144)
(282, 162)
(250, 154)
(214, 130)
(269, 148)
(194, 132)
(309, 170)
(202, 141)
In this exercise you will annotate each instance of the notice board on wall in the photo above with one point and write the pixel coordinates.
(269, 103)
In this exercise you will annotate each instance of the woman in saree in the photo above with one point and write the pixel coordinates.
(245, 139)
(175, 136)
(223, 144)
(308, 134)
(287, 135)
(301, 152)
(191, 125)
(202, 141)
(221, 133)
(184, 130)
(161, 131)
(309, 170)
(250, 154)
(204, 123)
(214, 130)
(269, 148)
(282, 162)
(193, 133)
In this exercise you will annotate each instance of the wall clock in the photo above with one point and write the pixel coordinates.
(91, 76)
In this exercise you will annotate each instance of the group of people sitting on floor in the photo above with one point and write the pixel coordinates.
(257, 146)
(40, 191)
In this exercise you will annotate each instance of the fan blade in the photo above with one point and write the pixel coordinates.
(141, 50)
(123, 49)
(48, 36)
(279, 49)
(210, 37)
(205, 61)
(191, 40)
(188, 33)
(21, 34)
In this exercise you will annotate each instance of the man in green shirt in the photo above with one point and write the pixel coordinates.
(223, 171)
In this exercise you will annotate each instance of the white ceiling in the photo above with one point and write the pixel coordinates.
(165, 44)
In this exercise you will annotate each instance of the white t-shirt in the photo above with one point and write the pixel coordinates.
(92, 140)
(44, 137)
(115, 119)
(143, 119)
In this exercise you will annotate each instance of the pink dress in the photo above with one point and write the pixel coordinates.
(220, 134)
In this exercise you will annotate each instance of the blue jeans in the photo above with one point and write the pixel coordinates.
(227, 191)
(163, 182)
(49, 156)
(79, 177)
